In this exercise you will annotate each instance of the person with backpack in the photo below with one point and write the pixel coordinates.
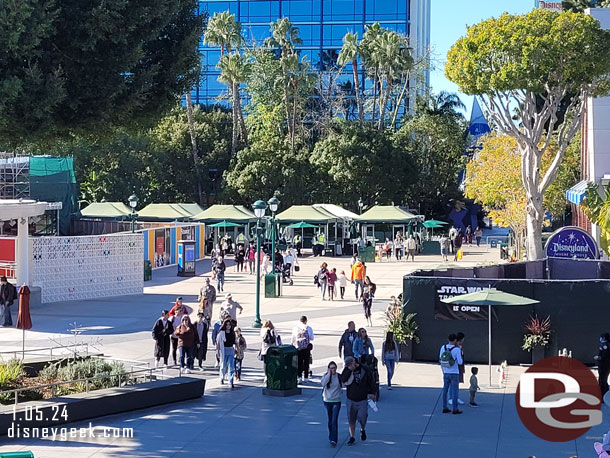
(450, 357)
(331, 394)
(302, 336)
(360, 385)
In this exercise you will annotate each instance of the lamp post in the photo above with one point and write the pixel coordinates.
(273, 204)
(259, 208)
(360, 205)
(133, 203)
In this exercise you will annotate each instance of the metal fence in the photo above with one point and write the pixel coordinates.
(58, 350)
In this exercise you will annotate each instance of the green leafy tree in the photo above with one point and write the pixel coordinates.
(89, 65)
(514, 61)
(435, 144)
(361, 162)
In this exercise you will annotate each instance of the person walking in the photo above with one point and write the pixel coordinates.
(230, 306)
(298, 243)
(450, 356)
(224, 316)
(240, 255)
(452, 235)
(389, 355)
(362, 345)
(394, 308)
(367, 299)
(302, 338)
(346, 343)
(331, 395)
(461, 367)
(322, 280)
(201, 327)
(251, 257)
(342, 281)
(207, 297)
(187, 339)
(220, 269)
(176, 313)
(360, 386)
(240, 348)
(411, 248)
(457, 246)
(445, 244)
(289, 261)
(357, 277)
(8, 294)
(269, 338)
(331, 279)
(468, 235)
(226, 342)
(398, 245)
(603, 362)
(161, 333)
(478, 235)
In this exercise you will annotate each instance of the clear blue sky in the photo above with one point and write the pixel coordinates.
(449, 19)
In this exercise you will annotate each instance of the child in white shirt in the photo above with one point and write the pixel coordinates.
(342, 280)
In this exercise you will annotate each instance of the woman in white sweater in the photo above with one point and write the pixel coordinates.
(331, 394)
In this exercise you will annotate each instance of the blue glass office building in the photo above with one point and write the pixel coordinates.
(322, 25)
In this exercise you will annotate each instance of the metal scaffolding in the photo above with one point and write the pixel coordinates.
(14, 176)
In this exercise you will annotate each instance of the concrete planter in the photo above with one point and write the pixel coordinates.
(537, 354)
(406, 351)
(99, 403)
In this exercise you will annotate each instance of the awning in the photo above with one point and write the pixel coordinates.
(578, 192)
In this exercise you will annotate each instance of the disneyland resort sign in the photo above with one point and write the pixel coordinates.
(572, 243)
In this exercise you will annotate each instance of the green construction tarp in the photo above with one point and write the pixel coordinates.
(387, 214)
(231, 213)
(106, 210)
(164, 212)
(52, 180)
(306, 213)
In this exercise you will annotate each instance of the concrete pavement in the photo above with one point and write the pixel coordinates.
(242, 422)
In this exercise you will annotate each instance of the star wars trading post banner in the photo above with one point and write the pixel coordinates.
(450, 287)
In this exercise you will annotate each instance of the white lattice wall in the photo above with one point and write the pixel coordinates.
(74, 268)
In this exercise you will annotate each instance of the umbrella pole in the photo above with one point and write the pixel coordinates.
(489, 343)
(23, 346)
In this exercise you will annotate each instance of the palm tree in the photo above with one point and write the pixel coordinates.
(285, 36)
(444, 104)
(234, 70)
(370, 53)
(597, 209)
(223, 31)
(349, 53)
(195, 151)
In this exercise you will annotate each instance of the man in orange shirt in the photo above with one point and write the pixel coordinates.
(357, 277)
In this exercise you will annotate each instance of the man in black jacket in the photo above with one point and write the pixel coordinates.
(603, 361)
(360, 386)
(161, 333)
(8, 294)
(347, 340)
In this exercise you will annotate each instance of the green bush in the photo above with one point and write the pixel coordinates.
(11, 374)
(83, 369)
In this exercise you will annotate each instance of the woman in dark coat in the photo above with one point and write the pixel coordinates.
(161, 332)
(201, 326)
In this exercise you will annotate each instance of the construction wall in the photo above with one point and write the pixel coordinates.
(161, 244)
(76, 268)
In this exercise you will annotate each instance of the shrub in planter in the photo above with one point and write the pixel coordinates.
(404, 328)
(537, 336)
(80, 369)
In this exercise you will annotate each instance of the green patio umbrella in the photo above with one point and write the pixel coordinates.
(434, 223)
(490, 297)
(225, 224)
(301, 225)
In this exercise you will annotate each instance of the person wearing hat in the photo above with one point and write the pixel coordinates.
(207, 296)
(230, 306)
(161, 333)
(8, 294)
(224, 316)
(175, 316)
(360, 387)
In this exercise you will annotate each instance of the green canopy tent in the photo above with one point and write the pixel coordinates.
(236, 214)
(302, 225)
(106, 210)
(167, 212)
(490, 297)
(316, 216)
(386, 214)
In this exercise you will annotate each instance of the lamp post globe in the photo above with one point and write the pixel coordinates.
(259, 208)
(133, 203)
(273, 203)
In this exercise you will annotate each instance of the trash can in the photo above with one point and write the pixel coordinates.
(147, 270)
(273, 284)
(367, 254)
(281, 367)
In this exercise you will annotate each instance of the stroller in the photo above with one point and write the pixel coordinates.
(284, 269)
(371, 362)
